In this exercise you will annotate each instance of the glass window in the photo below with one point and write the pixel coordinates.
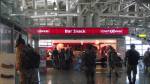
(136, 42)
(127, 47)
(141, 52)
(132, 39)
(25, 37)
(128, 42)
(138, 46)
(145, 47)
(5, 37)
(127, 38)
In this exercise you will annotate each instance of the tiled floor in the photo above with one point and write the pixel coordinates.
(75, 77)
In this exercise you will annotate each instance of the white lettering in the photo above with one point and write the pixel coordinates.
(43, 31)
(68, 31)
(74, 31)
(111, 31)
(79, 31)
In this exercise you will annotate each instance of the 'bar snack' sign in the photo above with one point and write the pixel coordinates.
(78, 31)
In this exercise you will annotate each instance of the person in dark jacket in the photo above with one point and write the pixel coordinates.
(55, 57)
(113, 61)
(131, 58)
(89, 60)
(27, 63)
(146, 59)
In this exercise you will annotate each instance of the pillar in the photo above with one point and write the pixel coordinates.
(121, 46)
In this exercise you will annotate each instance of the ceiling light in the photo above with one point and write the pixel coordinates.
(21, 8)
(55, 8)
(46, 13)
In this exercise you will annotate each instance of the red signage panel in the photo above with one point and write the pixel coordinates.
(78, 31)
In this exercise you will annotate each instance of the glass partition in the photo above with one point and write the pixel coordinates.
(5, 39)
(139, 46)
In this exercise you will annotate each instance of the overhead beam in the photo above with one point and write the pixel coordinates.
(146, 6)
(121, 16)
(55, 15)
(128, 6)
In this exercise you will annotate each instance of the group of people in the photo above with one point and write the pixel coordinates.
(131, 61)
(89, 62)
(28, 61)
(62, 59)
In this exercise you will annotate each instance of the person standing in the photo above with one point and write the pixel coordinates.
(113, 61)
(131, 58)
(68, 57)
(146, 59)
(55, 57)
(89, 60)
(26, 63)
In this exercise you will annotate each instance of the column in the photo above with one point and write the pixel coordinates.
(121, 47)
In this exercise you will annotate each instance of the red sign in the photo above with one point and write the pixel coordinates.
(78, 31)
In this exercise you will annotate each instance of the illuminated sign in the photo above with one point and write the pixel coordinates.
(142, 35)
(78, 31)
(75, 31)
(42, 31)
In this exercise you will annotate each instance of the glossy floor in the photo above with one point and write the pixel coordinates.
(75, 77)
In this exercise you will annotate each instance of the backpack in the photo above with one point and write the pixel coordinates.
(29, 59)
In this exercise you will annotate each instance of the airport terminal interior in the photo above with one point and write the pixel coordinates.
(72, 25)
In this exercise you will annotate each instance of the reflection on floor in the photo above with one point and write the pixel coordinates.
(74, 77)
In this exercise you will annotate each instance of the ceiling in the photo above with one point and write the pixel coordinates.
(109, 13)
(134, 14)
